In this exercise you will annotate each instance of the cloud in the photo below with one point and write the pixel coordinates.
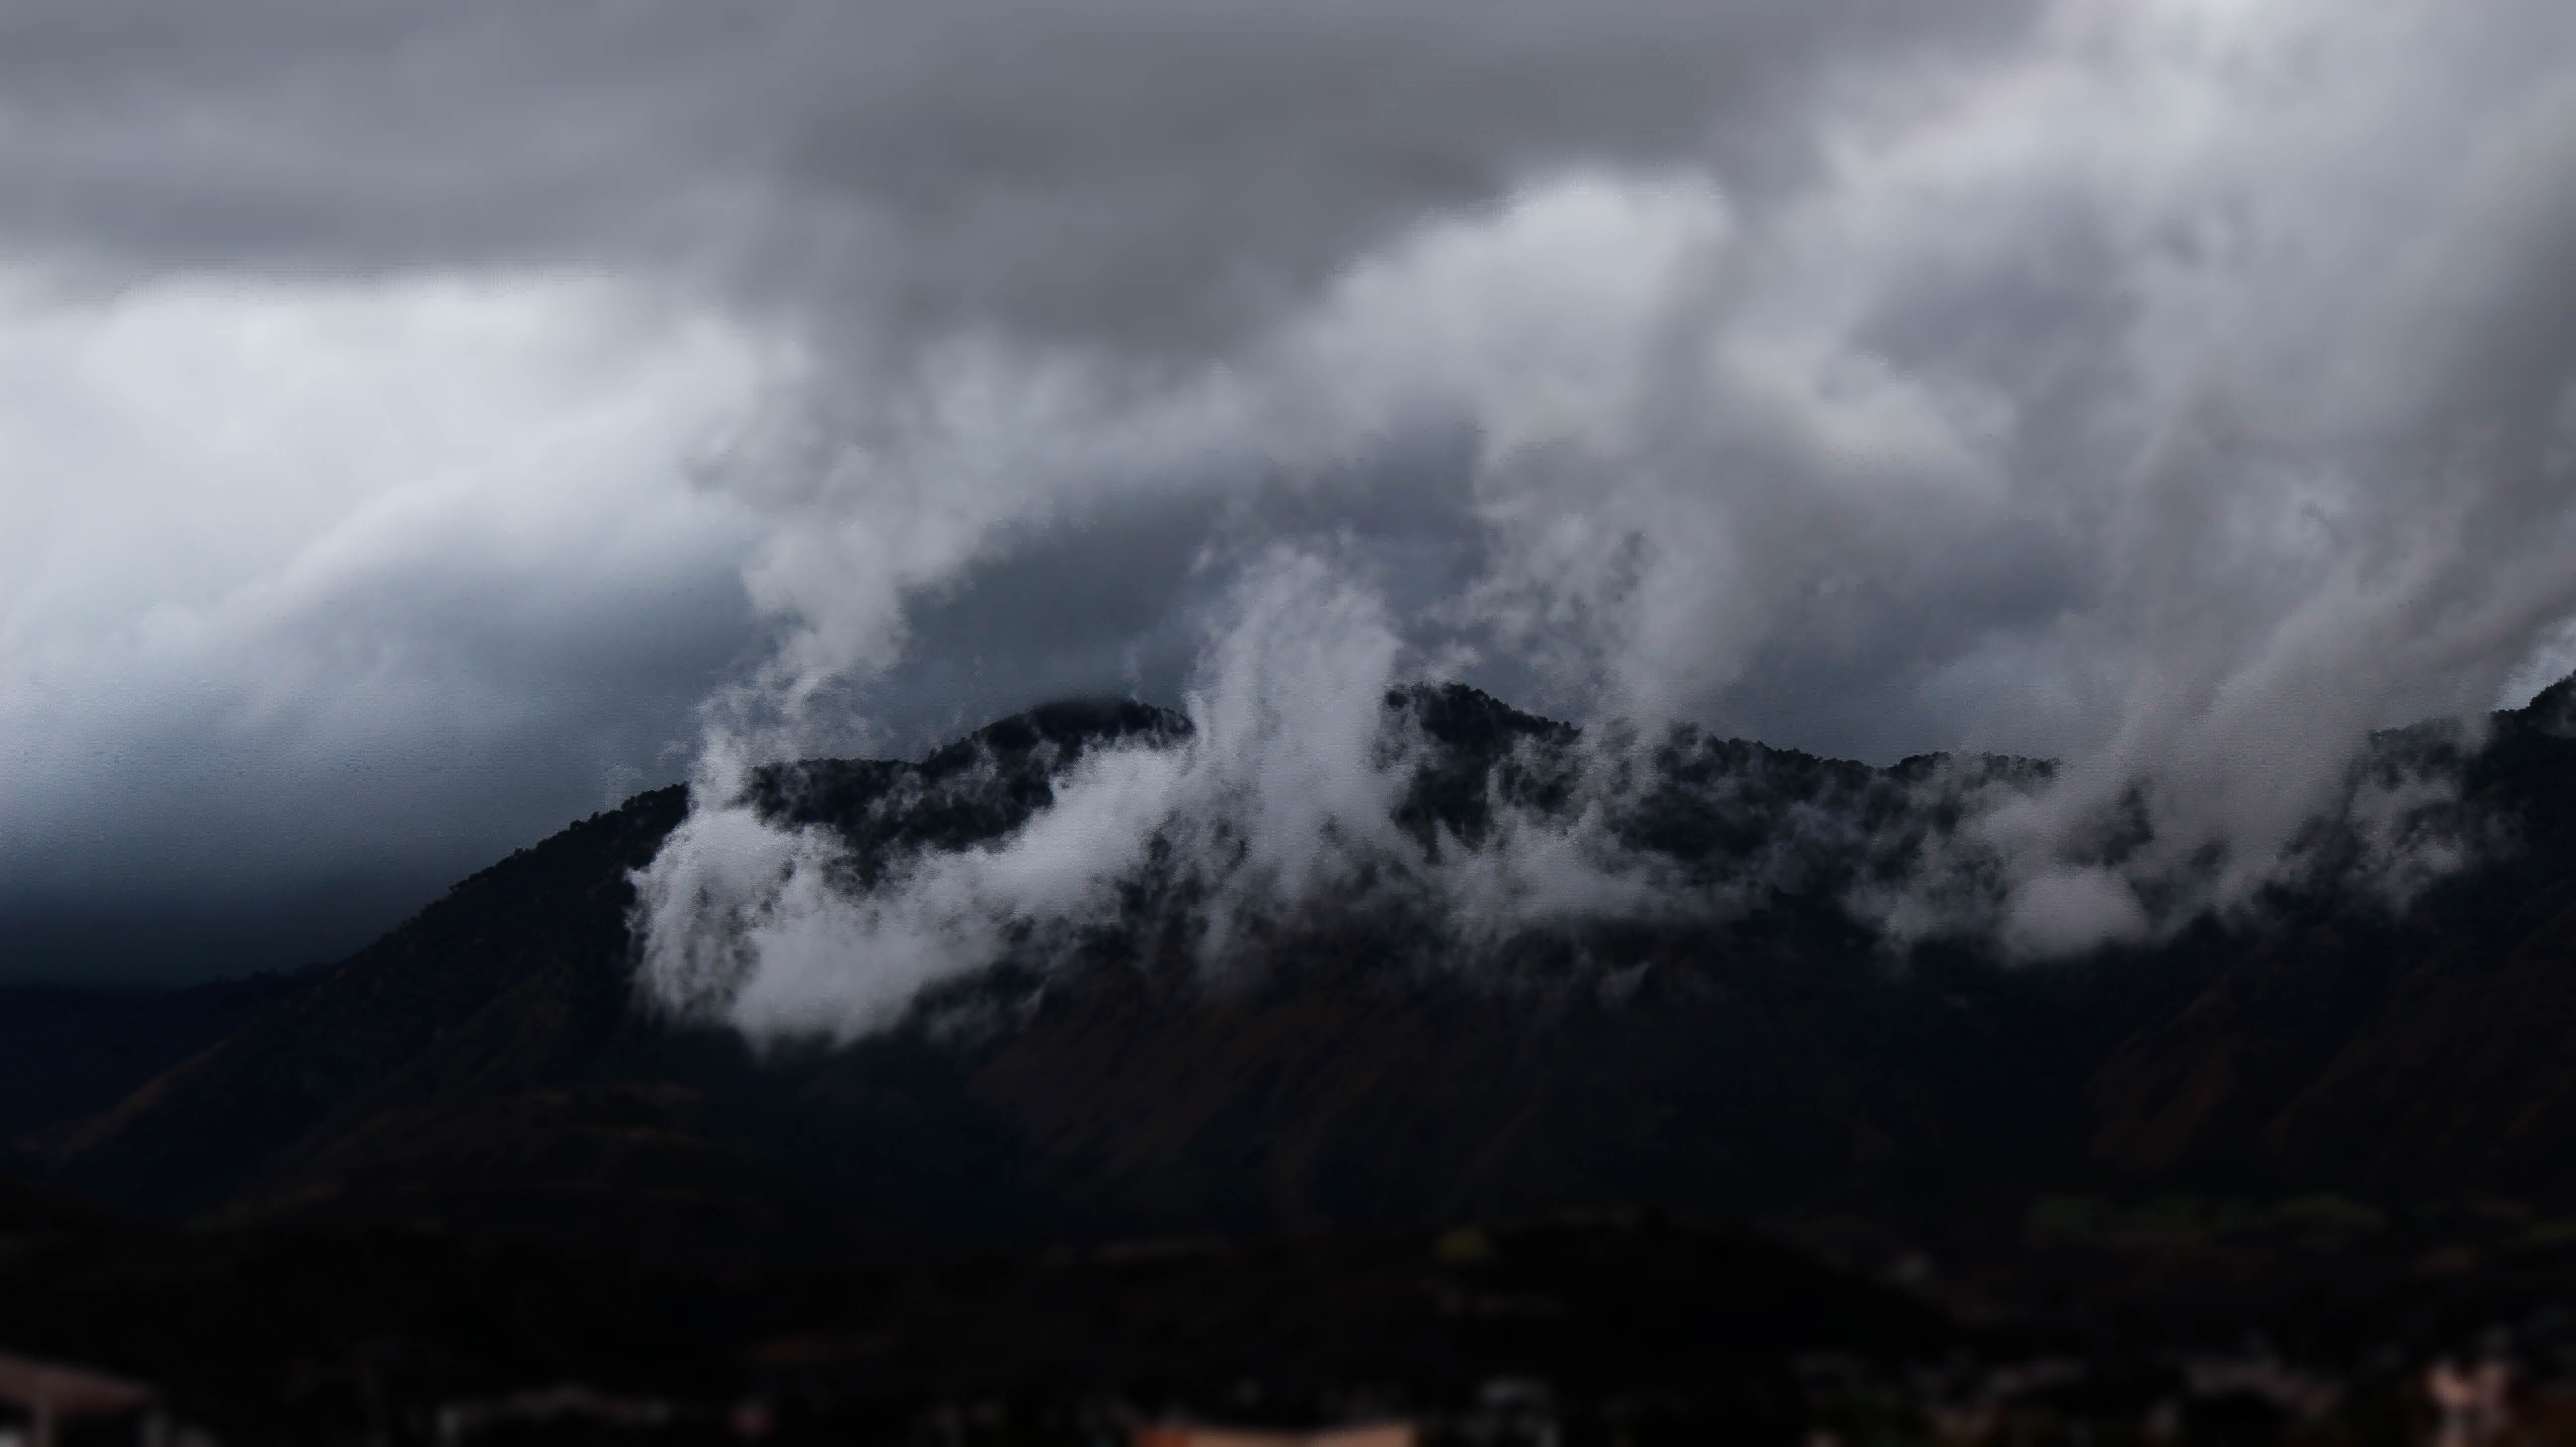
(1152, 171)
(2007, 389)
(2178, 387)
(428, 575)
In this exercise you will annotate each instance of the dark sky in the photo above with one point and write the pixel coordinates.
(416, 420)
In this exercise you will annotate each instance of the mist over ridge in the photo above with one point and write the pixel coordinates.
(1309, 781)
(1044, 1039)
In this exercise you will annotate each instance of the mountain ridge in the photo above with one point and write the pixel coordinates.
(489, 1067)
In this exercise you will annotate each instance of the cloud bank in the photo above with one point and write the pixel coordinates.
(2183, 389)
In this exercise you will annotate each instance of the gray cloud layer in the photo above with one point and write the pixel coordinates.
(2182, 387)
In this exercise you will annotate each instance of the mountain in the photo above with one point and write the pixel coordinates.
(490, 1070)
(70, 1050)
(2402, 1056)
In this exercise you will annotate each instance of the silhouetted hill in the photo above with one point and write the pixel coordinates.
(68, 1050)
(490, 1069)
(2410, 1056)
(484, 978)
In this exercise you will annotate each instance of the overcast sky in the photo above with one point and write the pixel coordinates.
(410, 415)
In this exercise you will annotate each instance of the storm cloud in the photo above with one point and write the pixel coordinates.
(423, 423)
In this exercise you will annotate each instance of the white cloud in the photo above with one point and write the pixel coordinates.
(271, 550)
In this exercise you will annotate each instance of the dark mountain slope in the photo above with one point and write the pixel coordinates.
(473, 994)
(2414, 1055)
(1721, 1065)
(488, 1066)
(489, 1069)
(69, 1050)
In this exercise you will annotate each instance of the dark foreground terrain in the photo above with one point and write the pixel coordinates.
(1599, 1327)
(1740, 1179)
